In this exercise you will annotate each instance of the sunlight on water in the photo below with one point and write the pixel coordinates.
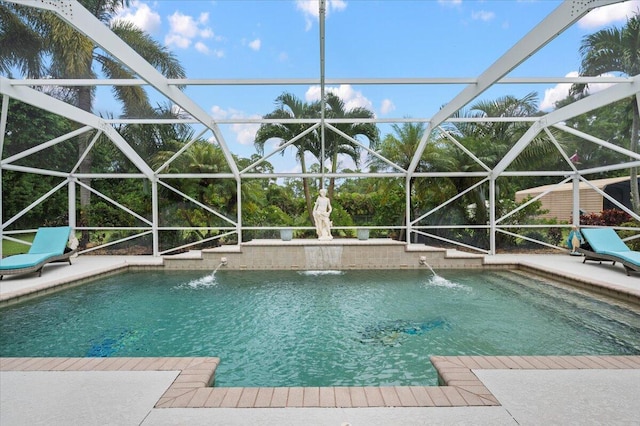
(319, 273)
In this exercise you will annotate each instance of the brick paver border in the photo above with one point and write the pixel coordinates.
(192, 388)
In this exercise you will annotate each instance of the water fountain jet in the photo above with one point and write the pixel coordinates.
(223, 262)
(423, 262)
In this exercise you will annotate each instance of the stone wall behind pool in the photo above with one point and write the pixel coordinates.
(308, 254)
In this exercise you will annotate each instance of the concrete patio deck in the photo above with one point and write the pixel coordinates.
(541, 390)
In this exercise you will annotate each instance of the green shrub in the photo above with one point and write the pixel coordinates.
(633, 244)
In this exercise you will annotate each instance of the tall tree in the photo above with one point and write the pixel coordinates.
(204, 158)
(335, 144)
(149, 139)
(616, 50)
(288, 106)
(400, 147)
(491, 141)
(603, 123)
(28, 126)
(207, 159)
(71, 55)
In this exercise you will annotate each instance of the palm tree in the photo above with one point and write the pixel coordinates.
(616, 50)
(490, 141)
(335, 144)
(148, 139)
(400, 147)
(288, 106)
(201, 157)
(19, 41)
(72, 55)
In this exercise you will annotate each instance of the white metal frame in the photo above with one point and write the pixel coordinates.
(554, 24)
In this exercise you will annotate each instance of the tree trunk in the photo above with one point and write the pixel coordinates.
(332, 184)
(307, 197)
(635, 124)
(305, 187)
(332, 181)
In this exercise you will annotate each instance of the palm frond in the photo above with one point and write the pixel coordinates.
(153, 52)
(20, 44)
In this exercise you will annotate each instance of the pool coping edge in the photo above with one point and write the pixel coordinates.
(192, 387)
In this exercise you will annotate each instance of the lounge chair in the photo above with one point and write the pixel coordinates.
(48, 246)
(605, 245)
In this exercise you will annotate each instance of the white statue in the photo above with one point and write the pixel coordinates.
(321, 211)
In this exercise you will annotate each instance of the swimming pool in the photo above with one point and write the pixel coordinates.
(287, 328)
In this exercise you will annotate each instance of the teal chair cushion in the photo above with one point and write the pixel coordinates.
(50, 240)
(629, 256)
(21, 261)
(603, 240)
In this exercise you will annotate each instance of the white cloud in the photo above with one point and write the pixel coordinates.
(178, 111)
(308, 7)
(561, 91)
(597, 87)
(555, 94)
(202, 48)
(454, 3)
(482, 15)
(177, 40)
(338, 5)
(615, 13)
(255, 44)
(218, 113)
(245, 132)
(185, 30)
(387, 106)
(184, 25)
(203, 18)
(206, 33)
(140, 15)
(351, 98)
(311, 9)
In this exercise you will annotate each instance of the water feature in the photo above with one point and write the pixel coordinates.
(423, 261)
(436, 279)
(318, 328)
(321, 272)
(206, 281)
(323, 257)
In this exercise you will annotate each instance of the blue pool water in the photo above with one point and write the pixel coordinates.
(287, 328)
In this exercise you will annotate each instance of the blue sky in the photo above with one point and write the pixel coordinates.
(279, 39)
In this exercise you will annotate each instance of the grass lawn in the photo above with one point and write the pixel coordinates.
(11, 247)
